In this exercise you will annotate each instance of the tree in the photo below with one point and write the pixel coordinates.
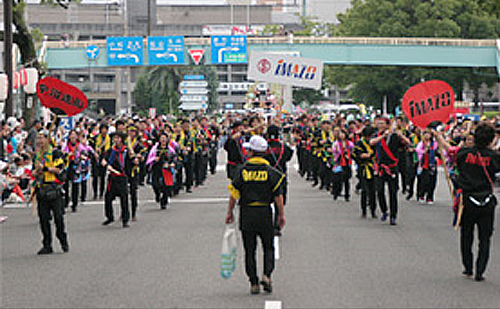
(24, 38)
(410, 18)
(306, 97)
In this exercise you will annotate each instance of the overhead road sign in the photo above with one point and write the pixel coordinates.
(192, 106)
(125, 51)
(196, 55)
(194, 77)
(194, 98)
(227, 49)
(194, 91)
(166, 50)
(92, 52)
(193, 84)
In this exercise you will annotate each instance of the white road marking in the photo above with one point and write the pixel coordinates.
(296, 166)
(276, 248)
(220, 168)
(15, 205)
(272, 304)
(172, 201)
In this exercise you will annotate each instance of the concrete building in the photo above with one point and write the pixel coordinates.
(109, 88)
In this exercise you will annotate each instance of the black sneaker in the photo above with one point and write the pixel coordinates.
(125, 225)
(254, 289)
(479, 278)
(108, 222)
(266, 284)
(45, 250)
(393, 221)
(65, 247)
(467, 273)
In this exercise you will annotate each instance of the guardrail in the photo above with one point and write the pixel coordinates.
(309, 40)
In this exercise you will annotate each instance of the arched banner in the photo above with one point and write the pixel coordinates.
(428, 102)
(62, 98)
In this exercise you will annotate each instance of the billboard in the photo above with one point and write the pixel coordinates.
(284, 69)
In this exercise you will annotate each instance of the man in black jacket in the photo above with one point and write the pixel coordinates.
(255, 186)
(477, 167)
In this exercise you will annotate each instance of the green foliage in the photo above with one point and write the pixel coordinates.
(411, 18)
(306, 97)
(37, 35)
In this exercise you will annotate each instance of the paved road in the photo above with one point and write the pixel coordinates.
(329, 257)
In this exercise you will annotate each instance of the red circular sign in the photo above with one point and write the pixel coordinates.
(62, 98)
(427, 102)
(264, 66)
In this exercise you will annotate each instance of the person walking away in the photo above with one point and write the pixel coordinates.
(49, 163)
(255, 186)
(477, 166)
(236, 154)
(278, 155)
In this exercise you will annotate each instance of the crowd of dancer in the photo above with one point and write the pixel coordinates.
(115, 156)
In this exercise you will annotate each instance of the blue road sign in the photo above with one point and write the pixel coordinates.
(194, 77)
(166, 50)
(67, 124)
(92, 52)
(125, 51)
(229, 49)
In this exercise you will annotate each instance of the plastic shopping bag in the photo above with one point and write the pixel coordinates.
(228, 253)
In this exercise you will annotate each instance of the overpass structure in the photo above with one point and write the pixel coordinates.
(426, 52)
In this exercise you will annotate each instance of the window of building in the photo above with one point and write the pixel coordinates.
(77, 78)
(104, 78)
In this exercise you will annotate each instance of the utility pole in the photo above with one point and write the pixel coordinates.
(304, 8)
(7, 47)
(149, 17)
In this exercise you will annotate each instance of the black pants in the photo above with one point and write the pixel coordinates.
(98, 180)
(75, 188)
(392, 182)
(368, 195)
(324, 173)
(411, 176)
(164, 195)
(188, 170)
(47, 210)
(426, 184)
(133, 183)
(483, 217)
(315, 165)
(250, 246)
(117, 187)
(178, 180)
(213, 159)
(402, 170)
(340, 180)
(198, 168)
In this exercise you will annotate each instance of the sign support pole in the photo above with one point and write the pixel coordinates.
(7, 23)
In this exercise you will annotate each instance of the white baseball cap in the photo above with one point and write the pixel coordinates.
(257, 143)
